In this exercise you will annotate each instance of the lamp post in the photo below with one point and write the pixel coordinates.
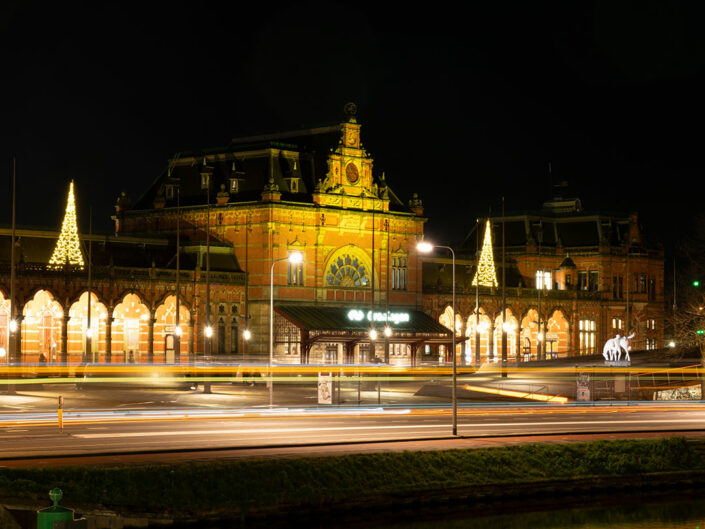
(426, 247)
(294, 258)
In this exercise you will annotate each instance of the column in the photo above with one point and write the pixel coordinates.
(18, 353)
(191, 333)
(65, 337)
(519, 352)
(150, 339)
(109, 337)
(490, 340)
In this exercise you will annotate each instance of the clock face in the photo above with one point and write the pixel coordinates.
(351, 173)
(352, 138)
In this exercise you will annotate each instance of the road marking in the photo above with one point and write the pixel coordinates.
(380, 427)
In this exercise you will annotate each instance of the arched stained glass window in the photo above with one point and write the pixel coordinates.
(347, 271)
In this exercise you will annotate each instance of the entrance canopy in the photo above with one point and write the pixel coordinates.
(343, 324)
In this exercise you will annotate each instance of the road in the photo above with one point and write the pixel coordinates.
(149, 430)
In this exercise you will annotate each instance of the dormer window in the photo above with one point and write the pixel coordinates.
(234, 185)
(169, 192)
(294, 185)
(205, 178)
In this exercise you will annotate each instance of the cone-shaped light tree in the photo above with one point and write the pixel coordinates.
(486, 275)
(68, 247)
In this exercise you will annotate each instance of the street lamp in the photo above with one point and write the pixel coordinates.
(246, 334)
(294, 258)
(427, 247)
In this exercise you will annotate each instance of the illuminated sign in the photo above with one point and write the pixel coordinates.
(393, 317)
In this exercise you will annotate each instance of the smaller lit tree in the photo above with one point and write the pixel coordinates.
(68, 248)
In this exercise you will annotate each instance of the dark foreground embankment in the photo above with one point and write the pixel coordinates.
(269, 488)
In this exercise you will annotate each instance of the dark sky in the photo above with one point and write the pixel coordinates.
(463, 108)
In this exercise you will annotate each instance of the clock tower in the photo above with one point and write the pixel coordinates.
(349, 182)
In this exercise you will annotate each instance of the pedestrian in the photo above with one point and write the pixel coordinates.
(42, 358)
(131, 358)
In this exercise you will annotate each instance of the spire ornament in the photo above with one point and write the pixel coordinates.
(486, 274)
(68, 248)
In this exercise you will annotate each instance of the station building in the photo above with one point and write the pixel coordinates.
(573, 278)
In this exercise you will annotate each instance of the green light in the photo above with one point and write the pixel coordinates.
(700, 331)
(696, 283)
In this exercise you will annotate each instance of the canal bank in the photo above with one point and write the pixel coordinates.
(273, 490)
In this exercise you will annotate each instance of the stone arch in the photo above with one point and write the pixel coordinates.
(529, 333)
(4, 326)
(558, 333)
(512, 328)
(165, 327)
(77, 325)
(41, 326)
(349, 267)
(485, 323)
(130, 327)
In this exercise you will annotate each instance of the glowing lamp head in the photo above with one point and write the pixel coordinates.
(246, 334)
(671, 344)
(373, 334)
(177, 330)
(540, 337)
(296, 257)
(89, 332)
(387, 331)
(209, 331)
(13, 325)
(3, 352)
(424, 247)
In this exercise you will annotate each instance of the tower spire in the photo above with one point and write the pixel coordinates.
(486, 275)
(68, 248)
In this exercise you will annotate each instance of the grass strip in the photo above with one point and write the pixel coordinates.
(267, 483)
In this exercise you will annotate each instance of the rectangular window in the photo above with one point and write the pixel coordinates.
(652, 289)
(544, 280)
(205, 180)
(567, 281)
(234, 186)
(587, 334)
(617, 323)
(620, 287)
(593, 283)
(582, 281)
(295, 274)
(642, 283)
(399, 270)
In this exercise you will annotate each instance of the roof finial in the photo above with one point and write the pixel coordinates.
(350, 110)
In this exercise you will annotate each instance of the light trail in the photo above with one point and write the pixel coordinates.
(82, 417)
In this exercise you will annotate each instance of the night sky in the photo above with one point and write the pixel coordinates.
(461, 108)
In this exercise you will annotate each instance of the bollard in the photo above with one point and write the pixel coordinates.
(47, 517)
(60, 412)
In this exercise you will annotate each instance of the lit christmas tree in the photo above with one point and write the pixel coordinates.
(68, 247)
(486, 274)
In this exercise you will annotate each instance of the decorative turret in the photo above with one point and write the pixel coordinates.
(223, 196)
(415, 204)
(271, 192)
(123, 202)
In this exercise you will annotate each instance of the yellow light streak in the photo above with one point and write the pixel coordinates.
(517, 394)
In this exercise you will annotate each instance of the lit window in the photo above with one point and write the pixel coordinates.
(544, 280)
(234, 185)
(399, 273)
(587, 336)
(295, 274)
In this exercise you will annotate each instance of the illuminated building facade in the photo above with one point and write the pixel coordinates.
(132, 304)
(584, 276)
(312, 191)
(573, 278)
